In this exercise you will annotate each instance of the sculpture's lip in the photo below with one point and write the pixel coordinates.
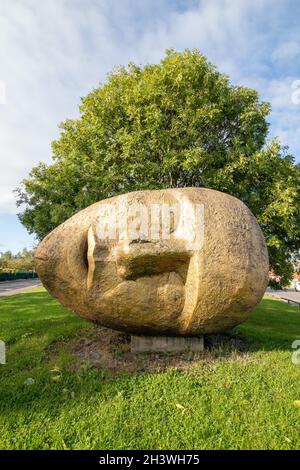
(134, 258)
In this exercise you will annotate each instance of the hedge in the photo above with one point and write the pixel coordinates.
(6, 276)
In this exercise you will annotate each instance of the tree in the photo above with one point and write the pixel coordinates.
(173, 124)
(5, 259)
(22, 261)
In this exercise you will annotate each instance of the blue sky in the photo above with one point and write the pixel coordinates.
(54, 52)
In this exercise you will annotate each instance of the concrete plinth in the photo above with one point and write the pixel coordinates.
(140, 344)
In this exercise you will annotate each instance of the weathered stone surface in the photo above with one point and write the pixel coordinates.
(149, 283)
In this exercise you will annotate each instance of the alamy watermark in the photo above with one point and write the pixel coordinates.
(2, 352)
(296, 92)
(296, 353)
(154, 222)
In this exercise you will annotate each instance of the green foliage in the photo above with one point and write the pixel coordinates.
(174, 124)
(233, 401)
(22, 261)
(274, 284)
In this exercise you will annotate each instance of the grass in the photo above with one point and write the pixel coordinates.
(231, 398)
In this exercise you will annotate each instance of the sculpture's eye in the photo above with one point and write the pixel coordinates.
(85, 254)
(97, 256)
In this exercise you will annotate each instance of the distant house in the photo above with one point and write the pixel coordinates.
(296, 277)
(274, 277)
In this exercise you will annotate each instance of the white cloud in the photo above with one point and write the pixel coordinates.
(287, 51)
(54, 52)
(46, 65)
(285, 116)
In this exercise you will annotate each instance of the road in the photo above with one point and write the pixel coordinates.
(290, 294)
(13, 287)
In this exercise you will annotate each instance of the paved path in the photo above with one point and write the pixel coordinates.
(13, 287)
(289, 294)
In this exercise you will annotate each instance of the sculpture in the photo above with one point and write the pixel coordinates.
(177, 262)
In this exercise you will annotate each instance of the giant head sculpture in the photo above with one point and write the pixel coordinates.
(183, 261)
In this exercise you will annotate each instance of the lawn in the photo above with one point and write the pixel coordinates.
(242, 393)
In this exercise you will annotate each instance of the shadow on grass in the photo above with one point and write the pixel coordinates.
(54, 330)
